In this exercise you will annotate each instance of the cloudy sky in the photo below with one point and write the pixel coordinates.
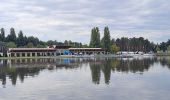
(73, 19)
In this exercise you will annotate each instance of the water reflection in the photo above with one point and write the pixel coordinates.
(119, 65)
(15, 69)
(165, 61)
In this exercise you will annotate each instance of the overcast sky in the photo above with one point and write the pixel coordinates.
(73, 19)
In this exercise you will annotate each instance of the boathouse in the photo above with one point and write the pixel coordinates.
(53, 50)
(87, 51)
(31, 52)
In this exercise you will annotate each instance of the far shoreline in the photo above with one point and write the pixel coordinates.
(71, 56)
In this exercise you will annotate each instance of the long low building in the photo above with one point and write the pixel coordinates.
(87, 51)
(29, 52)
(52, 51)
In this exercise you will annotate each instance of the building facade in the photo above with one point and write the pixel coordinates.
(52, 51)
(31, 52)
(87, 51)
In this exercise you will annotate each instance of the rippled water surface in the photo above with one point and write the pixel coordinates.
(85, 79)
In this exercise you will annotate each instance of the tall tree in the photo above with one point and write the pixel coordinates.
(20, 40)
(95, 38)
(12, 36)
(163, 46)
(2, 35)
(106, 39)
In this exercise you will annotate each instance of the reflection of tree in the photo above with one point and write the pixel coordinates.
(106, 68)
(118, 65)
(26, 67)
(20, 69)
(134, 65)
(95, 71)
(165, 61)
(14, 73)
(97, 68)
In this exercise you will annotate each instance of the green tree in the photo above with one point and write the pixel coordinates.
(95, 38)
(20, 40)
(2, 35)
(157, 49)
(106, 39)
(168, 48)
(30, 45)
(50, 42)
(11, 45)
(85, 46)
(33, 40)
(12, 36)
(114, 48)
(163, 46)
(40, 46)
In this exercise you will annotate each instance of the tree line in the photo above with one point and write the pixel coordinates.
(20, 40)
(106, 42)
(119, 44)
(164, 46)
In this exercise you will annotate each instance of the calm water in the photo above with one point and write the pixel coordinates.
(85, 79)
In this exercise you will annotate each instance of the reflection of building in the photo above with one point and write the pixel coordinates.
(20, 68)
(52, 51)
(15, 69)
(3, 49)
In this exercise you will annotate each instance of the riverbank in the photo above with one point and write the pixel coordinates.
(162, 54)
(34, 57)
(76, 56)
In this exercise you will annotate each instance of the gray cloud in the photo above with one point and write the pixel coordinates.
(73, 20)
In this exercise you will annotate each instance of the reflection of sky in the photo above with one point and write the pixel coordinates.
(76, 84)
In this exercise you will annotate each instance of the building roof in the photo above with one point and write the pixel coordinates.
(86, 48)
(30, 49)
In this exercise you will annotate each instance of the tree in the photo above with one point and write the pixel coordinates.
(11, 45)
(66, 43)
(20, 40)
(40, 46)
(168, 48)
(95, 38)
(2, 35)
(33, 40)
(50, 42)
(30, 45)
(85, 46)
(135, 44)
(12, 36)
(163, 46)
(114, 48)
(106, 39)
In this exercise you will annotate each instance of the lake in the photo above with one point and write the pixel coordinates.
(85, 79)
